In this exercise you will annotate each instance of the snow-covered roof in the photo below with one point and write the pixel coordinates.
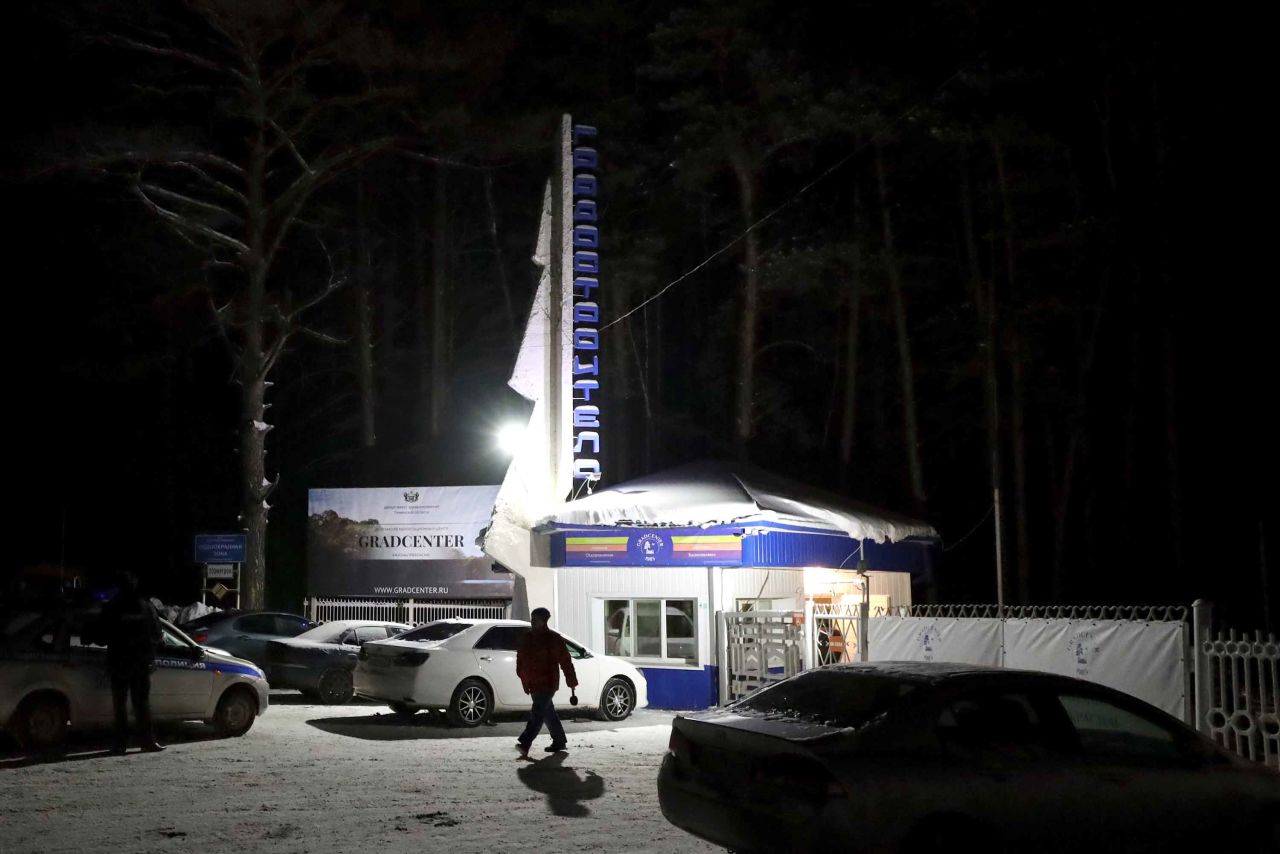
(709, 493)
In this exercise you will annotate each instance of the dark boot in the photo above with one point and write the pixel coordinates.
(145, 724)
(119, 699)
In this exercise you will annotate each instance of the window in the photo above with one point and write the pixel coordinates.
(288, 626)
(257, 624)
(833, 698)
(170, 642)
(435, 631)
(502, 637)
(1006, 723)
(206, 620)
(651, 628)
(1107, 730)
(575, 651)
(368, 633)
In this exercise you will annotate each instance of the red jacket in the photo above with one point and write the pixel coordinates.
(539, 660)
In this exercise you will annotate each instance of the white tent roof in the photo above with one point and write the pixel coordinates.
(715, 493)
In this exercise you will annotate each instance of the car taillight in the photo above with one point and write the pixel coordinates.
(200, 637)
(412, 659)
(679, 743)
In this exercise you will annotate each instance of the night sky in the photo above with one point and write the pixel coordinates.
(1136, 311)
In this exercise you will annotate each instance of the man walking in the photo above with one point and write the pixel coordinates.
(539, 660)
(132, 630)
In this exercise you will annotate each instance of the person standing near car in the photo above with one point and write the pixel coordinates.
(541, 656)
(131, 629)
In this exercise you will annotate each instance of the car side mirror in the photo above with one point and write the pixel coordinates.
(201, 652)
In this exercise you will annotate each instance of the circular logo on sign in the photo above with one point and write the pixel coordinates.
(650, 547)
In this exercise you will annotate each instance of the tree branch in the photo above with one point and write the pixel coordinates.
(178, 221)
(180, 198)
(221, 186)
(186, 56)
(288, 143)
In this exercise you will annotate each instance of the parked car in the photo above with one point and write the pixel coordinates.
(245, 634)
(467, 668)
(912, 757)
(53, 676)
(320, 661)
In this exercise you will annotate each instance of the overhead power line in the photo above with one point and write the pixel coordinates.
(793, 199)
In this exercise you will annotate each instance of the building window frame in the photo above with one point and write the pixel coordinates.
(625, 644)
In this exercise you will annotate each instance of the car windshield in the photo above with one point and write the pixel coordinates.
(831, 697)
(434, 632)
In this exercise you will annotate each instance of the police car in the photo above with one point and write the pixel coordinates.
(53, 675)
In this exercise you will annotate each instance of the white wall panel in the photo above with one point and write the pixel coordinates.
(750, 582)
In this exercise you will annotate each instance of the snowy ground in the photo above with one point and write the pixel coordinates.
(311, 778)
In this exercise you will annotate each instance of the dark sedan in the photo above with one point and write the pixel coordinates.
(914, 757)
(320, 661)
(245, 634)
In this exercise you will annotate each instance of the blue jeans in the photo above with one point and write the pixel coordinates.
(543, 711)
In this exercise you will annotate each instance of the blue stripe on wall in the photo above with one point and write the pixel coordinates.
(682, 689)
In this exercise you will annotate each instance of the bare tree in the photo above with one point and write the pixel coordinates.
(286, 116)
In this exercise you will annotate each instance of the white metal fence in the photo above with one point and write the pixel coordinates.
(409, 611)
(757, 648)
(1238, 689)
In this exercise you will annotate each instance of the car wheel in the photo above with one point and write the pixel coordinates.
(235, 714)
(472, 704)
(335, 686)
(403, 710)
(618, 700)
(42, 722)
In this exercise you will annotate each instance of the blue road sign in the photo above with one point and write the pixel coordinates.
(220, 548)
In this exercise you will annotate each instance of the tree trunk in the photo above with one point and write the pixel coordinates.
(853, 307)
(1017, 414)
(906, 371)
(421, 303)
(982, 292)
(498, 260)
(439, 292)
(364, 330)
(744, 426)
(1171, 448)
(252, 378)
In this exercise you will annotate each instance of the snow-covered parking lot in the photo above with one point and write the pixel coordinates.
(310, 778)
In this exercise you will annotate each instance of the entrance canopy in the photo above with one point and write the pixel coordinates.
(731, 514)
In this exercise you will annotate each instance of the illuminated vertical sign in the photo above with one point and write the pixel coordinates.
(585, 160)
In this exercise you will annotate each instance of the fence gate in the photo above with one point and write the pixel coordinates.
(1238, 689)
(403, 610)
(757, 648)
(834, 638)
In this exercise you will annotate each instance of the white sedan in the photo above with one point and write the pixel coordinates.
(468, 669)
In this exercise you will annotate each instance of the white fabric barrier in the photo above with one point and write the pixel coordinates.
(1141, 659)
(960, 640)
